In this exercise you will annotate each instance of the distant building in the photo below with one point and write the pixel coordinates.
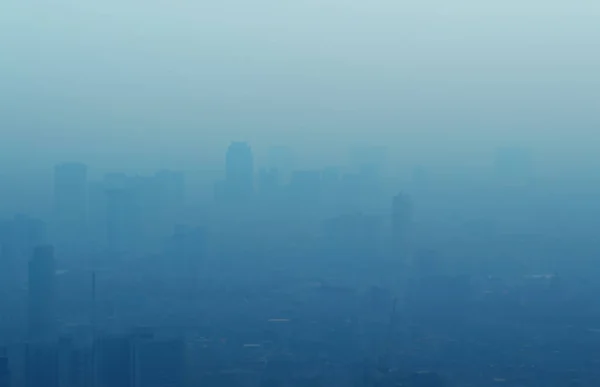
(42, 289)
(239, 172)
(70, 200)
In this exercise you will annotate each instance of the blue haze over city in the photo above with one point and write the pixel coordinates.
(313, 193)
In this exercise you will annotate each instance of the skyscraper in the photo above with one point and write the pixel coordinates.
(239, 172)
(70, 199)
(41, 317)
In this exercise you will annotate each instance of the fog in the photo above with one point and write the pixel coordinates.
(312, 193)
(128, 82)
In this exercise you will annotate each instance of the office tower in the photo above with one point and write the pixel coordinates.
(4, 371)
(123, 223)
(113, 361)
(41, 301)
(239, 174)
(70, 200)
(159, 363)
(402, 218)
(41, 364)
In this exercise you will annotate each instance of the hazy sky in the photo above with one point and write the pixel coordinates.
(177, 79)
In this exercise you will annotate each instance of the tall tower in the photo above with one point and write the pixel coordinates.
(239, 171)
(70, 199)
(42, 270)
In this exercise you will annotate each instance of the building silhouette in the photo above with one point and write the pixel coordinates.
(41, 297)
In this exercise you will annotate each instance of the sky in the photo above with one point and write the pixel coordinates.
(172, 82)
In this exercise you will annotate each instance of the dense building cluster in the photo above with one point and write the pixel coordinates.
(338, 276)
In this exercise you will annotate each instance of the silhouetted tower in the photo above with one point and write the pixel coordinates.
(402, 218)
(239, 175)
(70, 199)
(42, 286)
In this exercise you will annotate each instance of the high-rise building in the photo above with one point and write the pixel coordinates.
(239, 171)
(42, 269)
(70, 199)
